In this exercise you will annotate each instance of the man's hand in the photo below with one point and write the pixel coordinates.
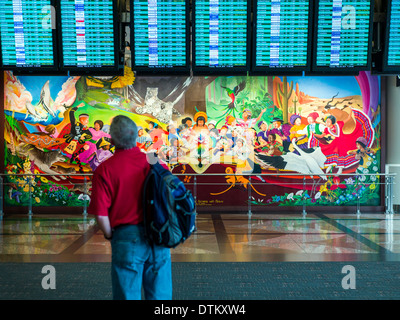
(104, 224)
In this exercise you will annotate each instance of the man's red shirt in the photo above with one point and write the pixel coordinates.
(117, 187)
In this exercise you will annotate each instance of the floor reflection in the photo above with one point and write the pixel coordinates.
(219, 237)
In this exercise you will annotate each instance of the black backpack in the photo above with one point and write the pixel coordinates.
(169, 209)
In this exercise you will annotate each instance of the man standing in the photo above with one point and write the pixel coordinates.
(117, 204)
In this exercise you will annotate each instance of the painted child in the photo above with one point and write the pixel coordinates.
(282, 130)
(300, 138)
(273, 147)
(363, 153)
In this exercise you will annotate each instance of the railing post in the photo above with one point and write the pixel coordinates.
(85, 197)
(1, 198)
(30, 213)
(389, 194)
(358, 198)
(195, 191)
(249, 196)
(389, 241)
(304, 197)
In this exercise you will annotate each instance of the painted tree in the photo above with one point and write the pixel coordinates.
(284, 94)
(295, 100)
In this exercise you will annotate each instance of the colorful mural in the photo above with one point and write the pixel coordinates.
(257, 136)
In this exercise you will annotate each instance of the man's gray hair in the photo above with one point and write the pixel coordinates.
(123, 132)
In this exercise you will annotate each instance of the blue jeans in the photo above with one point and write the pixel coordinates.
(135, 264)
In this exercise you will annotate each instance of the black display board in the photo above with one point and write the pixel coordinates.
(342, 36)
(282, 36)
(88, 33)
(160, 36)
(28, 37)
(391, 60)
(221, 37)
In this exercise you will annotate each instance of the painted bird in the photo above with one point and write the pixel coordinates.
(310, 161)
(233, 93)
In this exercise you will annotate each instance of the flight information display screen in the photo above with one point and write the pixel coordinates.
(221, 36)
(160, 36)
(87, 34)
(281, 35)
(343, 34)
(27, 38)
(393, 36)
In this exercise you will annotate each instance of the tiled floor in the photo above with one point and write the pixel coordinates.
(219, 237)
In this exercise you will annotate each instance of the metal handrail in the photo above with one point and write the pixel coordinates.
(389, 181)
(215, 174)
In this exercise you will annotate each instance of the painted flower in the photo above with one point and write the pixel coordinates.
(44, 180)
(21, 183)
(37, 199)
(349, 181)
(299, 193)
(317, 195)
(86, 197)
(372, 186)
(337, 184)
(290, 196)
(11, 169)
(336, 180)
(323, 189)
(26, 188)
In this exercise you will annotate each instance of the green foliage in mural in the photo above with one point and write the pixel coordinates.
(229, 96)
(43, 192)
